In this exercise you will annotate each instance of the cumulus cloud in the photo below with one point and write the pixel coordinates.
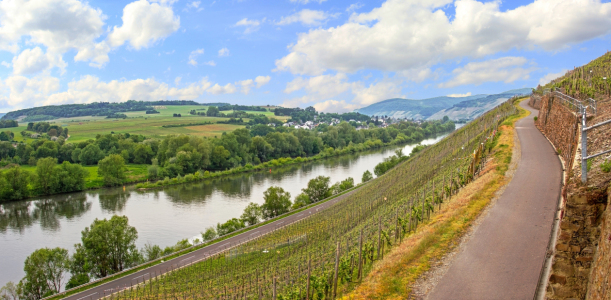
(506, 69)
(306, 17)
(334, 106)
(248, 84)
(218, 89)
(20, 91)
(144, 23)
(262, 80)
(194, 5)
(354, 6)
(251, 25)
(59, 25)
(401, 35)
(460, 95)
(376, 92)
(193, 56)
(8, 65)
(551, 76)
(223, 52)
(32, 61)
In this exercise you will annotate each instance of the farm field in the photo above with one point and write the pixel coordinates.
(135, 173)
(87, 127)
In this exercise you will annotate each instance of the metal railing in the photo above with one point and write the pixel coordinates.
(584, 143)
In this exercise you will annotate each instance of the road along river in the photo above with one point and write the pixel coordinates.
(164, 216)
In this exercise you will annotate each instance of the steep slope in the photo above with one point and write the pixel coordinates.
(435, 108)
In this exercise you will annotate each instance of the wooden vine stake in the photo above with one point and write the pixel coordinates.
(336, 270)
(308, 280)
(360, 254)
(379, 236)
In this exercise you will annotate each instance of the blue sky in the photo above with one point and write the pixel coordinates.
(336, 55)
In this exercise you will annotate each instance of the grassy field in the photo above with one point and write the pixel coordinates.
(87, 127)
(135, 173)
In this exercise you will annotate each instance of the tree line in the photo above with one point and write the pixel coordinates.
(174, 156)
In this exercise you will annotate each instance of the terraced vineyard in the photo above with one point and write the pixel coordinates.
(325, 255)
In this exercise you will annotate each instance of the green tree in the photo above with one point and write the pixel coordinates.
(91, 154)
(252, 214)
(347, 183)
(112, 168)
(209, 234)
(277, 202)
(212, 111)
(229, 226)
(80, 267)
(14, 184)
(44, 272)
(301, 200)
(142, 154)
(151, 252)
(367, 176)
(110, 245)
(9, 292)
(46, 178)
(71, 177)
(318, 188)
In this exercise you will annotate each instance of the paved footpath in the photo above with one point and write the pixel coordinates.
(200, 254)
(503, 258)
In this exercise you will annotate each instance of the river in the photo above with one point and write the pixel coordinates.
(162, 216)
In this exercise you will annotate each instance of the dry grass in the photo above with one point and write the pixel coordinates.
(393, 277)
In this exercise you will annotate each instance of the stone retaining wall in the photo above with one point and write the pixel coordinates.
(535, 101)
(560, 125)
(599, 286)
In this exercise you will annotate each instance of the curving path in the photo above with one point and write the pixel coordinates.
(200, 254)
(503, 258)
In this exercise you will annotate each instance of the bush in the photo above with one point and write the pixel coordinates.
(606, 166)
(536, 118)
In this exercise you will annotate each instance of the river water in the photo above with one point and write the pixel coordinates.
(163, 216)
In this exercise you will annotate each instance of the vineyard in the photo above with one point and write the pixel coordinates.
(325, 255)
(589, 81)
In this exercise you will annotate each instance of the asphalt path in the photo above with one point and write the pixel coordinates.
(504, 257)
(200, 254)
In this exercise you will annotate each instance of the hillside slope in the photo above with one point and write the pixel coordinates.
(456, 108)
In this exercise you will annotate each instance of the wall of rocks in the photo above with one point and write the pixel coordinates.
(599, 286)
(535, 101)
(560, 125)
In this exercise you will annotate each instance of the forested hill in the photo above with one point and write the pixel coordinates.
(92, 109)
(456, 108)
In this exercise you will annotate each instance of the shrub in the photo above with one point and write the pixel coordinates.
(606, 166)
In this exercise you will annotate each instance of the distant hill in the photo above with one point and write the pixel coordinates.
(90, 109)
(2, 115)
(456, 108)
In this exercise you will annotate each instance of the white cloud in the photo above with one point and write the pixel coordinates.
(20, 91)
(262, 80)
(193, 56)
(401, 35)
(226, 89)
(307, 1)
(460, 95)
(210, 63)
(144, 23)
(194, 5)
(320, 87)
(59, 25)
(354, 6)
(32, 61)
(223, 52)
(8, 65)
(334, 106)
(177, 80)
(376, 92)
(248, 84)
(551, 76)
(506, 69)
(251, 25)
(306, 17)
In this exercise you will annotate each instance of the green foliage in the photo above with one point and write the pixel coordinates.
(367, 176)
(14, 184)
(277, 202)
(301, 200)
(9, 292)
(229, 226)
(151, 252)
(112, 168)
(252, 214)
(589, 164)
(44, 273)
(109, 246)
(606, 166)
(318, 188)
(209, 234)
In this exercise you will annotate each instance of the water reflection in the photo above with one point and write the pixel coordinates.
(113, 200)
(18, 216)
